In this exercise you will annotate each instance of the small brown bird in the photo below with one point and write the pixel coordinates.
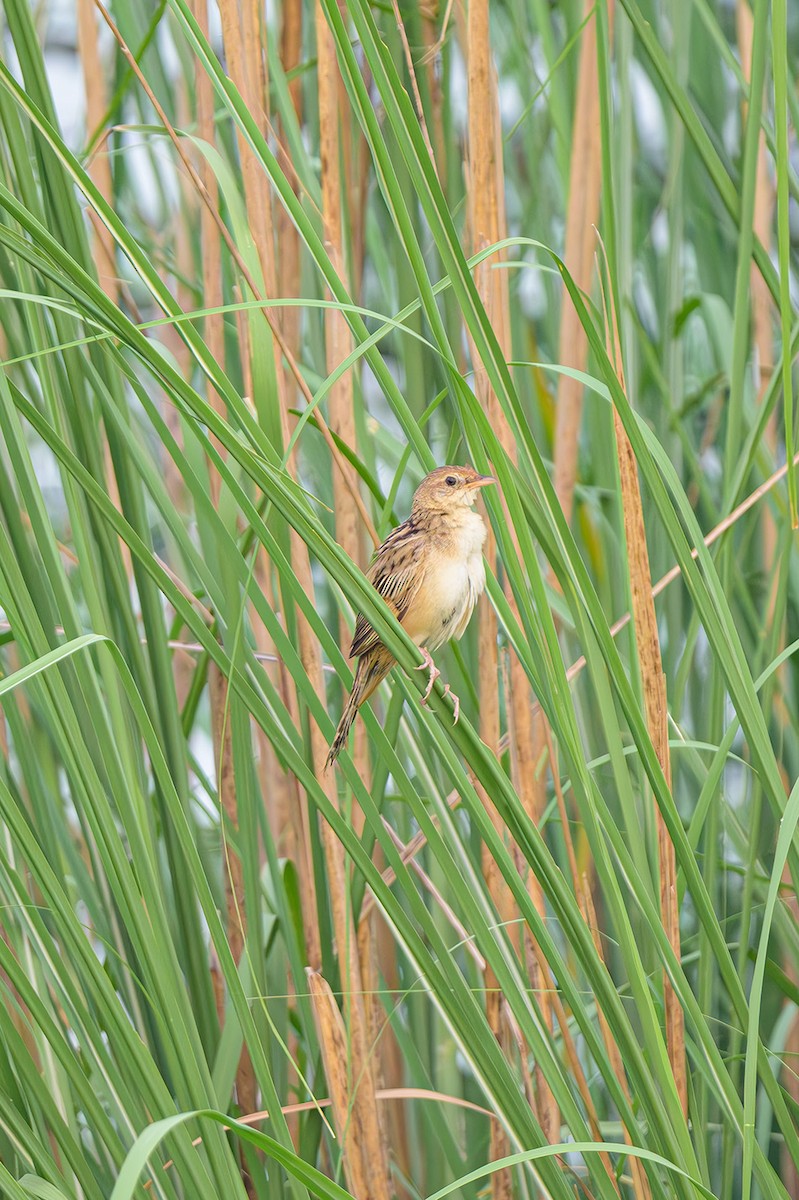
(430, 573)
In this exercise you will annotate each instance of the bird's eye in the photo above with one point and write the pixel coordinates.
(450, 481)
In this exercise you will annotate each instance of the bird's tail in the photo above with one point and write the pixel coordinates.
(371, 670)
(344, 726)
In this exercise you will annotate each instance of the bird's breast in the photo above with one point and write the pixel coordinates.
(453, 581)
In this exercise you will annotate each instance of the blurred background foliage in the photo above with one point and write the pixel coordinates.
(261, 268)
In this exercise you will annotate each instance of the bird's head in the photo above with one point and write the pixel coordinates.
(449, 488)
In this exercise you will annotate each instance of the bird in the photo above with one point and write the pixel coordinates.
(430, 572)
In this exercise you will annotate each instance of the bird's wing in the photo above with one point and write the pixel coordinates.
(396, 573)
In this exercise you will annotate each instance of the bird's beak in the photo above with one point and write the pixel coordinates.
(482, 481)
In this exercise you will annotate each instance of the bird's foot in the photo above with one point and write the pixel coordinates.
(455, 703)
(428, 665)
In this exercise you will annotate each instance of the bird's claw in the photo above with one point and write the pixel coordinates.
(456, 704)
(430, 666)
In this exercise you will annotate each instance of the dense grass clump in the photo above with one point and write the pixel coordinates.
(280, 265)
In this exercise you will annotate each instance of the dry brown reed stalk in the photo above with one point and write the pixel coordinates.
(582, 214)
(289, 830)
(244, 48)
(353, 1097)
(653, 682)
(289, 260)
(236, 914)
(429, 14)
(488, 225)
(356, 173)
(377, 956)
(291, 49)
(100, 166)
(246, 1089)
(209, 233)
(333, 117)
(338, 336)
(242, 35)
(356, 957)
(501, 1182)
(279, 788)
